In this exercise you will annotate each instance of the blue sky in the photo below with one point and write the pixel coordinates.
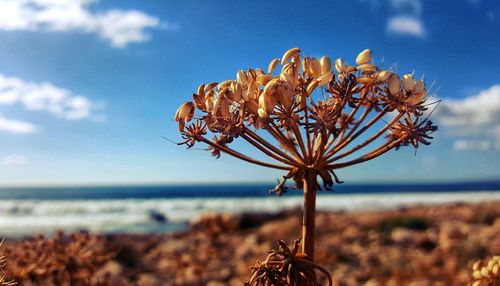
(88, 88)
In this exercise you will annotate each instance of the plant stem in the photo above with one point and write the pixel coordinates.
(241, 156)
(308, 214)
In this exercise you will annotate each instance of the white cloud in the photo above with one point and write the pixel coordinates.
(476, 116)
(44, 97)
(16, 126)
(405, 25)
(14, 160)
(477, 110)
(472, 145)
(118, 27)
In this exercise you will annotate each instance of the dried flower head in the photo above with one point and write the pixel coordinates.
(311, 113)
(486, 273)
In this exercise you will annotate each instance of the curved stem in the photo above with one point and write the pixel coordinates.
(368, 141)
(268, 152)
(360, 120)
(373, 154)
(243, 157)
(276, 132)
(308, 135)
(354, 111)
(300, 141)
(270, 146)
(341, 145)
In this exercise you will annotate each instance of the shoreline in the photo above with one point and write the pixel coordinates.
(26, 217)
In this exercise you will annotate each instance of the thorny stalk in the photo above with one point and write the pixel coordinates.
(354, 99)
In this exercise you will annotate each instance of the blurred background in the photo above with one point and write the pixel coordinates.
(88, 88)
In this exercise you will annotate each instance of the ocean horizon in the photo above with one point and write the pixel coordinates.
(26, 211)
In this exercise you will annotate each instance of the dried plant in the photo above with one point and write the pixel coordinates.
(61, 260)
(286, 266)
(308, 119)
(487, 273)
(4, 281)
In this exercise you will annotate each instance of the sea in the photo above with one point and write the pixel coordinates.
(162, 209)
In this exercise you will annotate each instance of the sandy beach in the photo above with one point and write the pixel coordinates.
(421, 245)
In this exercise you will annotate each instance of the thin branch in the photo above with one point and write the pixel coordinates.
(298, 137)
(369, 140)
(308, 136)
(267, 151)
(373, 154)
(355, 110)
(243, 157)
(359, 121)
(276, 132)
(341, 145)
(271, 146)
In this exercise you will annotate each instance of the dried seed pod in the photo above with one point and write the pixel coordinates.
(416, 98)
(340, 65)
(224, 84)
(216, 106)
(384, 75)
(408, 82)
(264, 79)
(224, 108)
(199, 101)
(315, 67)
(252, 89)
(236, 91)
(312, 85)
(367, 68)
(268, 99)
(364, 57)
(394, 84)
(325, 78)
(209, 103)
(419, 87)
(326, 64)
(272, 65)
(259, 72)
(288, 54)
(365, 80)
(289, 73)
(211, 86)
(241, 77)
(201, 90)
(251, 74)
(185, 112)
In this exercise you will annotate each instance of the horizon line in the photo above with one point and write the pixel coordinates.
(241, 183)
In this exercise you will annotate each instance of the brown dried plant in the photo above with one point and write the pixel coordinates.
(486, 273)
(4, 281)
(286, 266)
(309, 119)
(62, 260)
